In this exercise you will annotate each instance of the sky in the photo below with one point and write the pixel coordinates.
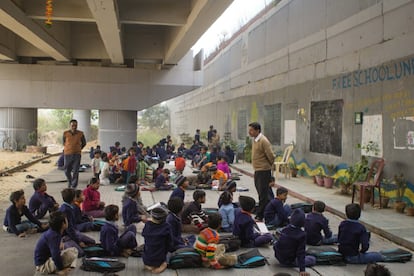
(236, 15)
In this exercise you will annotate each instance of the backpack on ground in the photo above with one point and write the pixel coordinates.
(250, 259)
(185, 258)
(306, 207)
(102, 265)
(325, 255)
(396, 255)
(94, 251)
(231, 242)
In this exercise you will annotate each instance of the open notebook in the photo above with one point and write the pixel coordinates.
(261, 226)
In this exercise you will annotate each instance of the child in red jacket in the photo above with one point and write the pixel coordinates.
(92, 205)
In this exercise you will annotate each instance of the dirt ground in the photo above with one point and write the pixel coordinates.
(19, 180)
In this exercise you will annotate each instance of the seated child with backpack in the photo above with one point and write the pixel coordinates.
(353, 238)
(182, 184)
(161, 183)
(243, 226)
(13, 220)
(113, 244)
(158, 241)
(130, 213)
(72, 237)
(276, 212)
(48, 256)
(40, 202)
(315, 222)
(193, 214)
(207, 244)
(175, 205)
(92, 205)
(83, 223)
(290, 248)
(226, 211)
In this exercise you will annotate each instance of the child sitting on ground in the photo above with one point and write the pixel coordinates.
(277, 212)
(72, 237)
(211, 252)
(223, 166)
(92, 205)
(290, 248)
(218, 175)
(243, 226)
(315, 222)
(161, 183)
(193, 214)
(351, 235)
(226, 211)
(40, 202)
(182, 184)
(142, 168)
(83, 223)
(175, 205)
(179, 163)
(231, 187)
(130, 212)
(49, 256)
(13, 221)
(113, 244)
(142, 210)
(158, 241)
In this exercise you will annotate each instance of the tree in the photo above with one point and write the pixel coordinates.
(157, 116)
(63, 117)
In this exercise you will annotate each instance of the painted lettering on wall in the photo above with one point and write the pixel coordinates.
(385, 72)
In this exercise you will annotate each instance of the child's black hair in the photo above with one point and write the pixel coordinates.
(175, 205)
(319, 206)
(167, 171)
(132, 179)
(160, 164)
(56, 219)
(198, 194)
(111, 211)
(16, 195)
(353, 211)
(38, 183)
(93, 180)
(281, 191)
(226, 198)
(376, 270)
(78, 193)
(68, 195)
(214, 220)
(272, 179)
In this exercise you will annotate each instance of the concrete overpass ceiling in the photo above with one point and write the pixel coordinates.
(135, 33)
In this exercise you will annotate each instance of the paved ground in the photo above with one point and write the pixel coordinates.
(17, 253)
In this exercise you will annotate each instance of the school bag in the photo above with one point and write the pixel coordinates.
(102, 265)
(94, 251)
(231, 242)
(396, 255)
(250, 259)
(306, 207)
(325, 255)
(185, 258)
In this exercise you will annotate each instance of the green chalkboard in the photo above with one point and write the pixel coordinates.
(326, 127)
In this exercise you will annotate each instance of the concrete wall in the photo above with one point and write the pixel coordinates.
(309, 51)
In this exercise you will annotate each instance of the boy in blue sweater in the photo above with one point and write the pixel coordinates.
(182, 184)
(72, 237)
(315, 222)
(243, 226)
(277, 212)
(290, 248)
(158, 241)
(40, 202)
(130, 213)
(161, 183)
(353, 238)
(111, 242)
(175, 205)
(48, 255)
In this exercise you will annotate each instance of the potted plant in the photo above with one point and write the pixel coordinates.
(410, 210)
(319, 177)
(357, 172)
(328, 179)
(385, 183)
(293, 169)
(401, 184)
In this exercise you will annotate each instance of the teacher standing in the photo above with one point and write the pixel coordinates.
(262, 161)
(73, 143)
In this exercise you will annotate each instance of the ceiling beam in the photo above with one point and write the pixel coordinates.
(106, 15)
(67, 10)
(202, 16)
(6, 53)
(16, 21)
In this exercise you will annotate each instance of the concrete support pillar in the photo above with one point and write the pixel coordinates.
(17, 123)
(117, 126)
(84, 121)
